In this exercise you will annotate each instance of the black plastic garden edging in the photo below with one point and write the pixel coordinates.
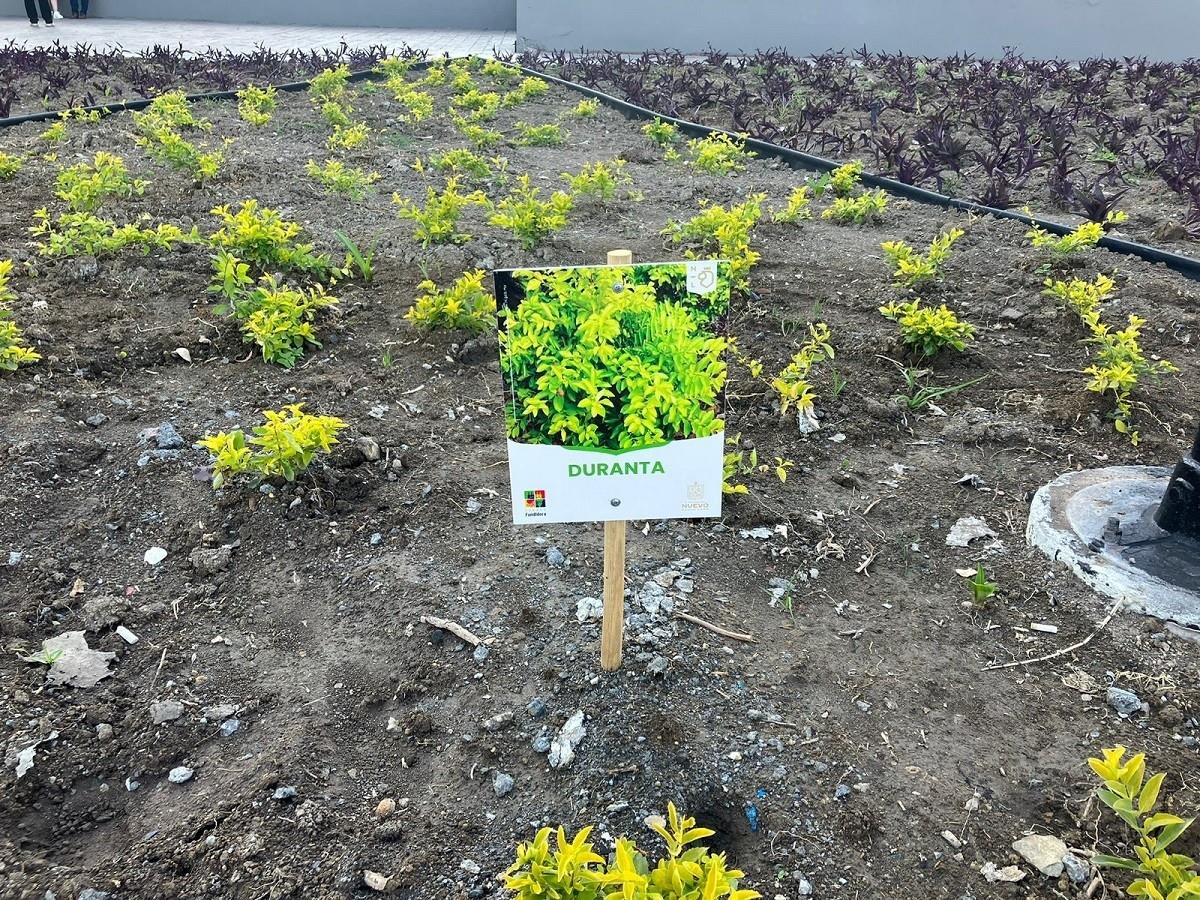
(1183, 264)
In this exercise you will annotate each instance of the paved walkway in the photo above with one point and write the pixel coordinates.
(133, 35)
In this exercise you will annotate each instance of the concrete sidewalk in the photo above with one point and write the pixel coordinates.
(133, 35)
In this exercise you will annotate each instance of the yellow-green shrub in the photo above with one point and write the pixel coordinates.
(914, 269)
(1086, 235)
(719, 154)
(928, 330)
(13, 350)
(464, 306)
(283, 447)
(527, 216)
(85, 186)
(867, 207)
(339, 178)
(797, 207)
(256, 105)
(599, 180)
(10, 165)
(720, 233)
(437, 221)
(791, 384)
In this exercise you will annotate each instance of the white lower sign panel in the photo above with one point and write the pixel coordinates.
(679, 480)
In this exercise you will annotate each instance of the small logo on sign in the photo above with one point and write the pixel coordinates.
(701, 276)
(695, 491)
(535, 499)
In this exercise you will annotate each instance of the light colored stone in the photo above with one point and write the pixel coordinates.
(1042, 851)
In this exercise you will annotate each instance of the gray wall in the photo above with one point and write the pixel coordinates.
(490, 15)
(1162, 29)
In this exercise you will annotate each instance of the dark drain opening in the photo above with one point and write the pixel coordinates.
(727, 821)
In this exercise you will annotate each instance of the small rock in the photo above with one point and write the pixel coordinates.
(208, 562)
(555, 558)
(542, 741)
(180, 774)
(952, 839)
(1126, 703)
(230, 727)
(498, 721)
(502, 784)
(92, 893)
(218, 711)
(589, 609)
(1011, 314)
(473, 505)
(104, 732)
(1042, 851)
(389, 831)
(562, 748)
(536, 708)
(376, 881)
(96, 420)
(469, 865)
(657, 666)
(968, 529)
(841, 792)
(282, 794)
(165, 711)
(167, 438)
(804, 887)
(376, 539)
(154, 556)
(386, 807)
(481, 653)
(368, 447)
(1077, 870)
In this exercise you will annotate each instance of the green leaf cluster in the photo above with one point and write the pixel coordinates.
(599, 180)
(437, 221)
(10, 165)
(500, 71)
(265, 239)
(798, 207)
(283, 447)
(572, 870)
(1086, 235)
(348, 137)
(159, 134)
(929, 330)
(84, 233)
(791, 385)
(418, 103)
(662, 133)
(85, 186)
(466, 164)
(842, 181)
(256, 105)
(529, 88)
(719, 154)
(548, 135)
(913, 269)
(464, 306)
(527, 216)
(338, 178)
(594, 359)
(1120, 362)
(722, 233)
(866, 207)
(330, 85)
(585, 109)
(13, 350)
(1128, 793)
(481, 106)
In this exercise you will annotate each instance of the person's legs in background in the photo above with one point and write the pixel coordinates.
(47, 13)
(31, 11)
(54, 9)
(79, 8)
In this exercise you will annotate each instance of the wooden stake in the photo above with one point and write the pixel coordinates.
(612, 627)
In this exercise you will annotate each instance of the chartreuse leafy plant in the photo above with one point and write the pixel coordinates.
(330, 85)
(719, 154)
(475, 133)
(928, 330)
(662, 133)
(277, 318)
(791, 385)
(283, 447)
(338, 178)
(866, 207)
(1086, 235)
(549, 135)
(78, 233)
(417, 103)
(159, 134)
(437, 221)
(842, 181)
(527, 216)
(10, 165)
(585, 109)
(593, 362)
(13, 350)
(465, 164)
(572, 870)
(500, 71)
(256, 105)
(464, 306)
(722, 233)
(348, 137)
(914, 269)
(599, 180)
(263, 238)
(1133, 797)
(1119, 360)
(528, 89)
(85, 186)
(798, 207)
(480, 106)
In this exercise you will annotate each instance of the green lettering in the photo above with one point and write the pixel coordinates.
(658, 469)
(573, 470)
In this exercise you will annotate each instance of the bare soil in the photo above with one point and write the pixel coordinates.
(859, 726)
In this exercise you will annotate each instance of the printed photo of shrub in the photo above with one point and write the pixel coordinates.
(611, 357)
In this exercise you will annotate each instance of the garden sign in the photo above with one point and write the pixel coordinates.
(614, 384)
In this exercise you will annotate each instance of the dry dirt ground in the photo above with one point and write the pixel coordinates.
(829, 755)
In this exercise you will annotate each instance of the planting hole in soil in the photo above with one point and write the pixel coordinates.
(270, 630)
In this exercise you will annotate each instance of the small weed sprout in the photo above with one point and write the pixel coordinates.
(797, 207)
(928, 330)
(356, 259)
(256, 105)
(437, 221)
(662, 133)
(528, 217)
(13, 350)
(791, 385)
(550, 135)
(283, 447)
(982, 590)
(464, 306)
(338, 178)
(719, 154)
(599, 180)
(913, 269)
(1086, 235)
(722, 233)
(10, 165)
(864, 208)
(585, 109)
(85, 186)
